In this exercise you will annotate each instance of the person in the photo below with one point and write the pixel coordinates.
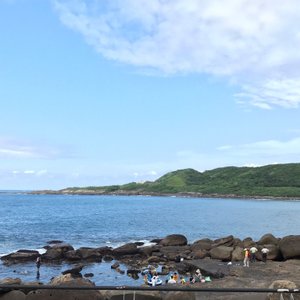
(171, 280)
(154, 280)
(264, 252)
(253, 250)
(182, 280)
(246, 257)
(198, 276)
(38, 263)
(175, 276)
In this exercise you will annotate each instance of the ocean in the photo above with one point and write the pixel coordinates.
(30, 221)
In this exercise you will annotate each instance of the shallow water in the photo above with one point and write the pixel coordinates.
(29, 221)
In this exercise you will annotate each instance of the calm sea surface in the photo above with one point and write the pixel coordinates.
(29, 221)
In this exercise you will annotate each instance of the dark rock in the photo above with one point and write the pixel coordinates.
(115, 265)
(199, 254)
(290, 246)
(104, 250)
(74, 271)
(139, 243)
(64, 247)
(91, 254)
(203, 244)
(20, 256)
(55, 242)
(172, 252)
(268, 239)
(274, 253)
(208, 267)
(127, 249)
(248, 242)
(222, 252)
(108, 258)
(225, 241)
(237, 254)
(133, 273)
(156, 241)
(146, 251)
(53, 254)
(174, 240)
(72, 255)
(88, 275)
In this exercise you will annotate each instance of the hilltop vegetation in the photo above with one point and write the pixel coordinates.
(282, 180)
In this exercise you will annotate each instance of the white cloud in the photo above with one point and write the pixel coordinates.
(257, 40)
(269, 147)
(15, 149)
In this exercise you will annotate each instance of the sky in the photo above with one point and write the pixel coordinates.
(101, 92)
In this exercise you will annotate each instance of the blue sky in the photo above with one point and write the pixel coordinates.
(108, 91)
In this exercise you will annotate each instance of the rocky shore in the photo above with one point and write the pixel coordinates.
(221, 259)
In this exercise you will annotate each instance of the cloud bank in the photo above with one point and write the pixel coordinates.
(254, 43)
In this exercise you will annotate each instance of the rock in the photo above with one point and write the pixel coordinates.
(225, 241)
(133, 273)
(10, 281)
(52, 254)
(115, 265)
(174, 240)
(171, 252)
(127, 249)
(64, 247)
(139, 244)
(54, 242)
(88, 275)
(247, 243)
(268, 239)
(20, 256)
(237, 254)
(91, 254)
(274, 253)
(222, 252)
(13, 295)
(204, 244)
(282, 284)
(108, 258)
(146, 251)
(69, 280)
(208, 267)
(75, 272)
(290, 246)
(156, 241)
(199, 254)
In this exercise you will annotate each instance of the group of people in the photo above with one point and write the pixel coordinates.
(250, 255)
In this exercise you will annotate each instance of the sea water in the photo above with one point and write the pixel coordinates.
(30, 221)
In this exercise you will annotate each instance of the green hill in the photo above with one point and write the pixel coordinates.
(281, 180)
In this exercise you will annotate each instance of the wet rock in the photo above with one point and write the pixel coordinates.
(133, 273)
(127, 249)
(52, 255)
(174, 240)
(88, 275)
(20, 256)
(55, 242)
(75, 272)
(115, 265)
(108, 258)
(91, 254)
(156, 241)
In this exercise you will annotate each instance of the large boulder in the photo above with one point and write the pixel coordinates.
(225, 241)
(10, 281)
(174, 240)
(127, 249)
(247, 242)
(203, 244)
(222, 252)
(172, 252)
(90, 254)
(13, 295)
(290, 246)
(237, 254)
(53, 254)
(20, 256)
(268, 239)
(274, 253)
(208, 267)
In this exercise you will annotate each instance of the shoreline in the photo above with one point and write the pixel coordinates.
(82, 192)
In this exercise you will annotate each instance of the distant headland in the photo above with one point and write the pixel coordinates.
(270, 181)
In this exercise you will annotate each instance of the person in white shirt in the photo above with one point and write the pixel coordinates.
(171, 280)
(253, 250)
(264, 252)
